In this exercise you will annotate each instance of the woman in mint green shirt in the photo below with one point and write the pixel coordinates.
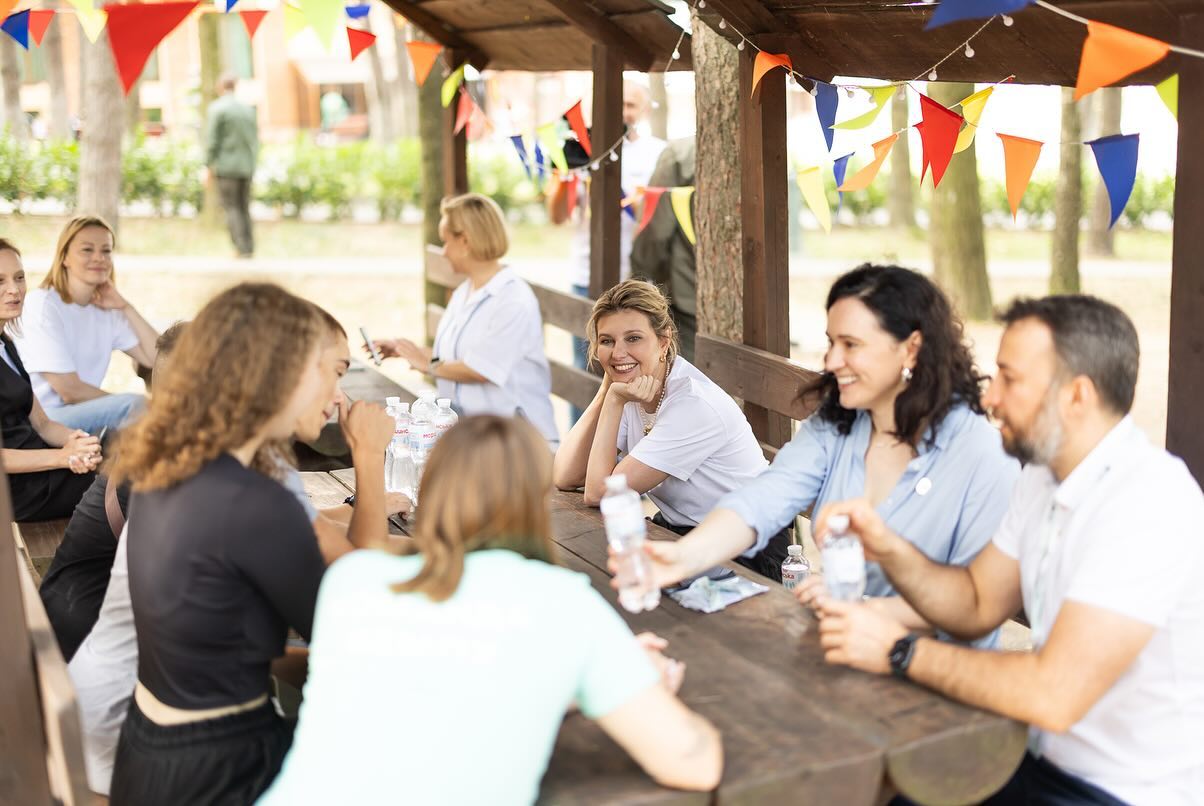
(443, 677)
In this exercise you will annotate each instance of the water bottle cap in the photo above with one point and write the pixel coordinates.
(392, 401)
(404, 408)
(444, 402)
(839, 523)
(616, 482)
(794, 550)
(427, 395)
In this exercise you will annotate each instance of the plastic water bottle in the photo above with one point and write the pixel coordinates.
(795, 568)
(844, 561)
(625, 532)
(398, 463)
(391, 405)
(425, 404)
(444, 417)
(422, 439)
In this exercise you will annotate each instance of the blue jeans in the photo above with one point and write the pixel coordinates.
(110, 411)
(580, 356)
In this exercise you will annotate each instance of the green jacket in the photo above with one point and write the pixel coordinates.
(660, 252)
(231, 138)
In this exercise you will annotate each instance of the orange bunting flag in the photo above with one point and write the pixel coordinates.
(359, 41)
(766, 62)
(577, 124)
(862, 179)
(6, 6)
(652, 197)
(1111, 53)
(136, 30)
(938, 134)
(39, 21)
(251, 20)
(422, 56)
(571, 196)
(1019, 158)
(464, 109)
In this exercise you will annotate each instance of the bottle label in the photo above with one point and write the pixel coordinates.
(625, 525)
(793, 577)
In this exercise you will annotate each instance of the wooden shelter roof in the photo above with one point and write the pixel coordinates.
(549, 35)
(886, 38)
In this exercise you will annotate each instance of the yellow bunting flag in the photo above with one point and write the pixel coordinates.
(680, 198)
(294, 22)
(811, 183)
(766, 62)
(548, 136)
(1019, 158)
(862, 179)
(972, 111)
(451, 84)
(325, 17)
(878, 96)
(92, 20)
(1111, 53)
(1168, 91)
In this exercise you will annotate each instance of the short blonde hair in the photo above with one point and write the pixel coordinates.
(56, 278)
(485, 486)
(480, 220)
(634, 295)
(13, 326)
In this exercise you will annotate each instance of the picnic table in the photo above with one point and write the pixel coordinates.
(795, 729)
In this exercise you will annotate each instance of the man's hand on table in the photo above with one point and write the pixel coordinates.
(397, 503)
(857, 634)
(672, 671)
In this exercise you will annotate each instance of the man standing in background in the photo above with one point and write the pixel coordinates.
(231, 149)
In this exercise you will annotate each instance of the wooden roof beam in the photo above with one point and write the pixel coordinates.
(602, 30)
(440, 31)
(749, 17)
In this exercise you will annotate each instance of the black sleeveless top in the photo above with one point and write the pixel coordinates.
(16, 402)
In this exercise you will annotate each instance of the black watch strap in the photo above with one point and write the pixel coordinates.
(350, 500)
(901, 654)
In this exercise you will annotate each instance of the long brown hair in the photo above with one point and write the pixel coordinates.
(634, 295)
(235, 367)
(486, 486)
(56, 278)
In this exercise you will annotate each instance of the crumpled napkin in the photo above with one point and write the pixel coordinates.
(710, 595)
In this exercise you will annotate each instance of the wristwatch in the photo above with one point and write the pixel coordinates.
(433, 365)
(901, 654)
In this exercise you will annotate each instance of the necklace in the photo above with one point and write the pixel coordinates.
(648, 419)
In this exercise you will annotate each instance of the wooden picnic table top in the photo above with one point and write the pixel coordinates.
(795, 729)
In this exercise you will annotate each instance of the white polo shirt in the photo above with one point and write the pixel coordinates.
(498, 332)
(58, 336)
(1123, 534)
(700, 439)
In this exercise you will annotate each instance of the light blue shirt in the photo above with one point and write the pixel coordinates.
(949, 501)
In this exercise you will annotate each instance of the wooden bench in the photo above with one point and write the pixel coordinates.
(38, 542)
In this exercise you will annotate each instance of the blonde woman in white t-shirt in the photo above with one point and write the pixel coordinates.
(658, 420)
(72, 325)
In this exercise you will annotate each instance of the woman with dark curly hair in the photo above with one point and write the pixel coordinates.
(898, 421)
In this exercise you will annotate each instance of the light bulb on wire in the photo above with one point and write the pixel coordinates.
(969, 51)
(932, 76)
(1008, 20)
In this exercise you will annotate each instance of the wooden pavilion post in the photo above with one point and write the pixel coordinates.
(1184, 435)
(455, 146)
(605, 194)
(763, 213)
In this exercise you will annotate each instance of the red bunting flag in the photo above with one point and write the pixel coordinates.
(359, 41)
(1019, 158)
(463, 110)
(251, 20)
(577, 124)
(652, 197)
(766, 62)
(39, 21)
(136, 30)
(422, 56)
(1111, 53)
(938, 133)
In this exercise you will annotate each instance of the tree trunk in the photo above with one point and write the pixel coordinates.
(10, 74)
(658, 115)
(209, 27)
(717, 199)
(380, 94)
(959, 254)
(102, 125)
(406, 97)
(133, 111)
(1107, 121)
(430, 136)
(1068, 202)
(52, 51)
(900, 194)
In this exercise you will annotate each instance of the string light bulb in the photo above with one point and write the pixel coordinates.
(814, 90)
(676, 55)
(849, 92)
(740, 45)
(593, 166)
(614, 156)
(932, 76)
(702, 3)
(722, 24)
(1008, 20)
(969, 51)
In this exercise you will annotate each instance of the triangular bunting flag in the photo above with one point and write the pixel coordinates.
(766, 62)
(540, 163)
(879, 96)
(680, 199)
(136, 30)
(359, 41)
(1111, 53)
(92, 20)
(39, 21)
(972, 107)
(358, 12)
(5, 7)
(862, 179)
(553, 145)
(251, 20)
(577, 124)
(652, 197)
(294, 22)
(521, 148)
(571, 195)
(953, 10)
(230, 4)
(839, 167)
(938, 133)
(827, 100)
(1019, 158)
(1116, 156)
(422, 57)
(463, 111)
(451, 84)
(17, 26)
(1168, 91)
(325, 17)
(811, 183)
